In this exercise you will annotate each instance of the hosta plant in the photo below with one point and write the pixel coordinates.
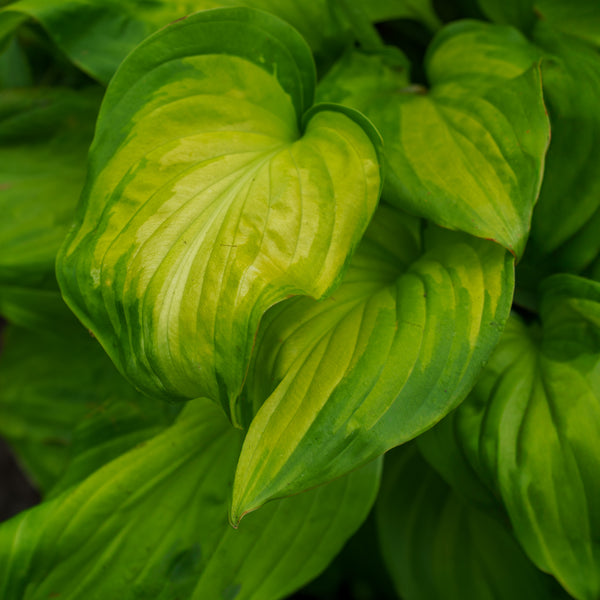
(279, 279)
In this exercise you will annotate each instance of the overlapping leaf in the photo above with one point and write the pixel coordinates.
(469, 152)
(97, 35)
(205, 204)
(442, 449)
(153, 524)
(570, 193)
(52, 385)
(437, 546)
(395, 348)
(418, 10)
(531, 429)
(44, 137)
(519, 13)
(580, 18)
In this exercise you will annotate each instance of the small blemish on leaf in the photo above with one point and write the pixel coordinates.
(232, 591)
(185, 563)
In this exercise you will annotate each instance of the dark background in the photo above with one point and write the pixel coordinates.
(16, 493)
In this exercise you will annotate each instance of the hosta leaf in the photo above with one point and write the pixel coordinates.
(123, 421)
(519, 13)
(577, 255)
(418, 10)
(499, 54)
(395, 348)
(570, 194)
(35, 308)
(531, 429)
(14, 68)
(44, 137)
(442, 449)
(468, 153)
(153, 524)
(580, 18)
(97, 35)
(438, 546)
(205, 205)
(52, 384)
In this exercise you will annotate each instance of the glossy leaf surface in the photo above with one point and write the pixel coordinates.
(438, 546)
(394, 349)
(206, 205)
(469, 152)
(531, 429)
(153, 524)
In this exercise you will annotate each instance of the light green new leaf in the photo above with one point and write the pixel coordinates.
(438, 546)
(97, 35)
(51, 385)
(153, 524)
(395, 348)
(468, 153)
(44, 137)
(531, 429)
(570, 193)
(205, 204)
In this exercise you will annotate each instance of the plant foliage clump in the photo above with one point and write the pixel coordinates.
(268, 268)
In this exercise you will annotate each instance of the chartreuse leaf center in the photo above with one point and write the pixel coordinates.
(338, 382)
(206, 203)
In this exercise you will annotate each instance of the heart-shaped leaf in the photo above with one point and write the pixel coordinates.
(153, 524)
(469, 152)
(531, 429)
(205, 203)
(395, 348)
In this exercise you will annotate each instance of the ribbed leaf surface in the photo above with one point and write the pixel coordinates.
(436, 545)
(531, 429)
(395, 348)
(153, 524)
(205, 204)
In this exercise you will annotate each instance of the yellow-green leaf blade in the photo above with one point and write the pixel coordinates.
(467, 153)
(188, 233)
(531, 427)
(373, 366)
